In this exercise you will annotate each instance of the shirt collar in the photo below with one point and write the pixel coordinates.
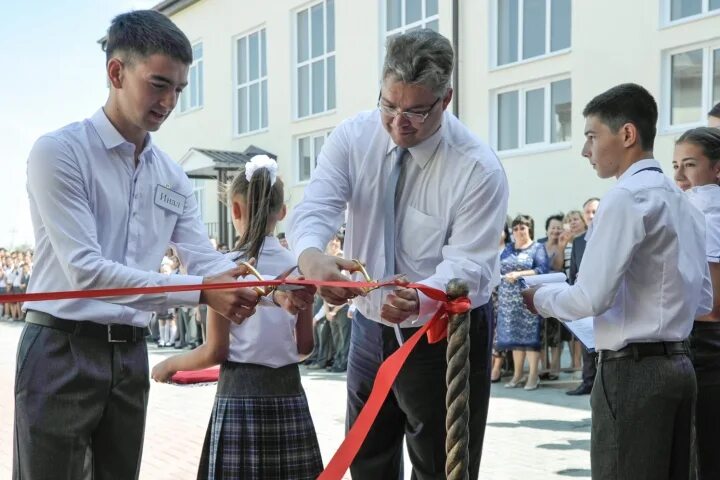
(637, 166)
(424, 151)
(111, 138)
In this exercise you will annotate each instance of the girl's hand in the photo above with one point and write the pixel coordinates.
(162, 372)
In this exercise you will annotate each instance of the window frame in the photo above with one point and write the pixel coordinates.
(296, 64)
(196, 63)
(522, 89)
(325, 132)
(666, 14)
(422, 23)
(494, 31)
(237, 86)
(707, 47)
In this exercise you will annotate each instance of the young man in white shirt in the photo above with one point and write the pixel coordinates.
(644, 278)
(426, 198)
(105, 203)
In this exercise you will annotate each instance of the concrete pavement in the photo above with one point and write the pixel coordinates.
(542, 434)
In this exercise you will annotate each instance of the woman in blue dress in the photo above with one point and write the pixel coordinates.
(517, 328)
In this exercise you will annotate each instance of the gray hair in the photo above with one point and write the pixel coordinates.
(421, 57)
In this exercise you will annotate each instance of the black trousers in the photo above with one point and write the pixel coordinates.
(705, 354)
(73, 395)
(589, 367)
(642, 413)
(415, 407)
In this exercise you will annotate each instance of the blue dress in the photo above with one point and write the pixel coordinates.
(517, 327)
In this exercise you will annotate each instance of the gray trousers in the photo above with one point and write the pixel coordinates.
(642, 413)
(75, 395)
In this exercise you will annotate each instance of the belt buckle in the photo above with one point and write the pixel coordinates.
(110, 337)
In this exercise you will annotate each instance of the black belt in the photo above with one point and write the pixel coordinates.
(641, 350)
(112, 333)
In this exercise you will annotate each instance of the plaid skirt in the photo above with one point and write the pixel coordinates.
(262, 429)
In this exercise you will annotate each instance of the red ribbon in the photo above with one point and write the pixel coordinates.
(436, 330)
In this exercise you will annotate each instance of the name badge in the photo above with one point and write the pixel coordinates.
(169, 199)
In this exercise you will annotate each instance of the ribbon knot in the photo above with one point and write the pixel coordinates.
(437, 330)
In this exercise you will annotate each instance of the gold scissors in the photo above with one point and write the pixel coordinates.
(361, 268)
(264, 291)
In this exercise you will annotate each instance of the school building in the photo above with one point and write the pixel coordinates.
(277, 76)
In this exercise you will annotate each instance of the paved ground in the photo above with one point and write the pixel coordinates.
(542, 434)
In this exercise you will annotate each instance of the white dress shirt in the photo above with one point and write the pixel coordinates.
(99, 223)
(449, 214)
(643, 276)
(707, 199)
(268, 337)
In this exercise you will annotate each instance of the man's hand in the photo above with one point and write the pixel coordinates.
(234, 304)
(529, 299)
(295, 301)
(315, 265)
(400, 305)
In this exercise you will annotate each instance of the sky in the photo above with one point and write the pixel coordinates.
(53, 73)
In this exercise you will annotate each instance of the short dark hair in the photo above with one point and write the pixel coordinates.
(715, 111)
(627, 103)
(281, 235)
(591, 199)
(146, 32)
(526, 220)
(557, 216)
(707, 138)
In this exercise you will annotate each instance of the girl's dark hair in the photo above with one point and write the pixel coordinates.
(262, 199)
(558, 216)
(526, 220)
(707, 138)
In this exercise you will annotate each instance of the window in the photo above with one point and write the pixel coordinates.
(537, 115)
(199, 193)
(405, 15)
(308, 149)
(192, 95)
(531, 28)
(315, 59)
(694, 84)
(251, 96)
(680, 9)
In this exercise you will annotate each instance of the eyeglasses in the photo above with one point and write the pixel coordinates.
(413, 117)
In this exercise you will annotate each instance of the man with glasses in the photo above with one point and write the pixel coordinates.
(425, 198)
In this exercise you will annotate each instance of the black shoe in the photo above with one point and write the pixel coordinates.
(582, 389)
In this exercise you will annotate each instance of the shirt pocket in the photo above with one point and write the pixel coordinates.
(421, 238)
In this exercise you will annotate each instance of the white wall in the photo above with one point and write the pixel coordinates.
(613, 41)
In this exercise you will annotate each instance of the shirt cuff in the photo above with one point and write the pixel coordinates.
(427, 310)
(189, 298)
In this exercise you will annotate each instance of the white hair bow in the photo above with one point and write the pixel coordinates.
(261, 161)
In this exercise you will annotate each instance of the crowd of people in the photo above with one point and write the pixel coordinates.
(15, 270)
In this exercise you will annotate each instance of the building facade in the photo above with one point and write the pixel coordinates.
(280, 75)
